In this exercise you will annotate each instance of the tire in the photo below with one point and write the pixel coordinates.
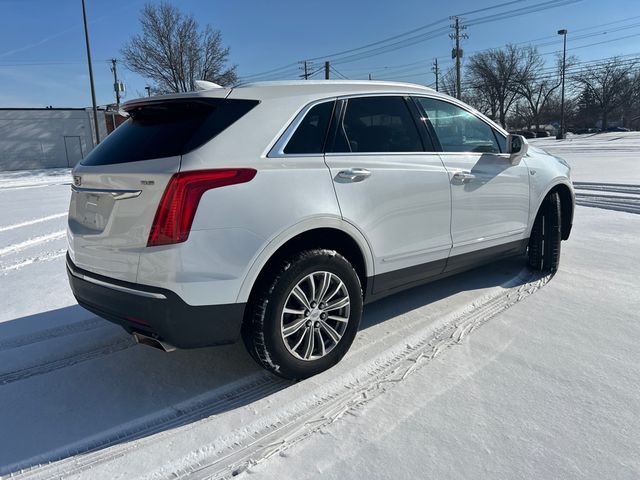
(546, 236)
(270, 333)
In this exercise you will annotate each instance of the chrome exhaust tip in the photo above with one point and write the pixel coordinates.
(143, 339)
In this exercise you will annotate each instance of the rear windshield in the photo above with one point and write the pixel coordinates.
(168, 128)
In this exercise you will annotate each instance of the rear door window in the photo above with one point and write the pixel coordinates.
(167, 128)
(378, 124)
(310, 135)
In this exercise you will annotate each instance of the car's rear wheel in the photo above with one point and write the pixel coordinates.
(305, 315)
(546, 236)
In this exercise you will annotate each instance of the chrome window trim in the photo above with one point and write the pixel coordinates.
(497, 154)
(277, 151)
(387, 154)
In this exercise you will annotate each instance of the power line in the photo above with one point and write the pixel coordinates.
(572, 71)
(383, 46)
(334, 70)
(535, 45)
(415, 30)
(434, 33)
(404, 66)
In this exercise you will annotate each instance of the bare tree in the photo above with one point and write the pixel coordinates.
(631, 107)
(448, 82)
(535, 86)
(608, 85)
(482, 98)
(493, 74)
(173, 51)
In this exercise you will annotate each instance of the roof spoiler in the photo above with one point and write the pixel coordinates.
(206, 85)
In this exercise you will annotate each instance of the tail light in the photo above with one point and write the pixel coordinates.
(180, 200)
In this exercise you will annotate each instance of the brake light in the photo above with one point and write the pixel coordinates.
(180, 200)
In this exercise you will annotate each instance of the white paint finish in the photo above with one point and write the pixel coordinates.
(105, 235)
(403, 208)
(400, 216)
(234, 224)
(334, 222)
(494, 203)
(549, 172)
(208, 269)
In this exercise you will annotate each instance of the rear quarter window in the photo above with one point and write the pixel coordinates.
(168, 128)
(310, 135)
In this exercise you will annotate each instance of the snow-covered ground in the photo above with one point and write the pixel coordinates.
(496, 373)
(611, 157)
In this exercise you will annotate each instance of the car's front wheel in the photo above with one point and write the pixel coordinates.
(306, 315)
(546, 236)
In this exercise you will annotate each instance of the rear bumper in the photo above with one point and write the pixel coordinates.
(156, 312)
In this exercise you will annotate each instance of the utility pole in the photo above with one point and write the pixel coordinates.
(148, 89)
(457, 52)
(326, 70)
(560, 134)
(305, 68)
(93, 90)
(437, 72)
(116, 84)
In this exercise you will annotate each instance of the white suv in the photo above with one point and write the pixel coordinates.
(274, 211)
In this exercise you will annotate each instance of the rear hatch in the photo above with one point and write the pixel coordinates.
(118, 186)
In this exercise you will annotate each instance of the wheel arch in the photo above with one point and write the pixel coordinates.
(567, 205)
(331, 233)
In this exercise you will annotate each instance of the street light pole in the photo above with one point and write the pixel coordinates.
(93, 90)
(561, 133)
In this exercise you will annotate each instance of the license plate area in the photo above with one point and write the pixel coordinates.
(90, 211)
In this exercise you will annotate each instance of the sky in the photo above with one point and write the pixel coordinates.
(43, 58)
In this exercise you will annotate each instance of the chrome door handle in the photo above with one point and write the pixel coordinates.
(464, 176)
(354, 174)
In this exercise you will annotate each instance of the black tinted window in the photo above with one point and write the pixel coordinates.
(502, 141)
(166, 129)
(378, 124)
(310, 134)
(457, 129)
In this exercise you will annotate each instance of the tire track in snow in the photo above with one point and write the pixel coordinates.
(52, 333)
(244, 391)
(66, 361)
(608, 187)
(35, 185)
(417, 353)
(44, 257)
(16, 247)
(610, 196)
(32, 222)
(315, 410)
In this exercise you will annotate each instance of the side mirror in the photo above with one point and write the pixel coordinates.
(517, 147)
